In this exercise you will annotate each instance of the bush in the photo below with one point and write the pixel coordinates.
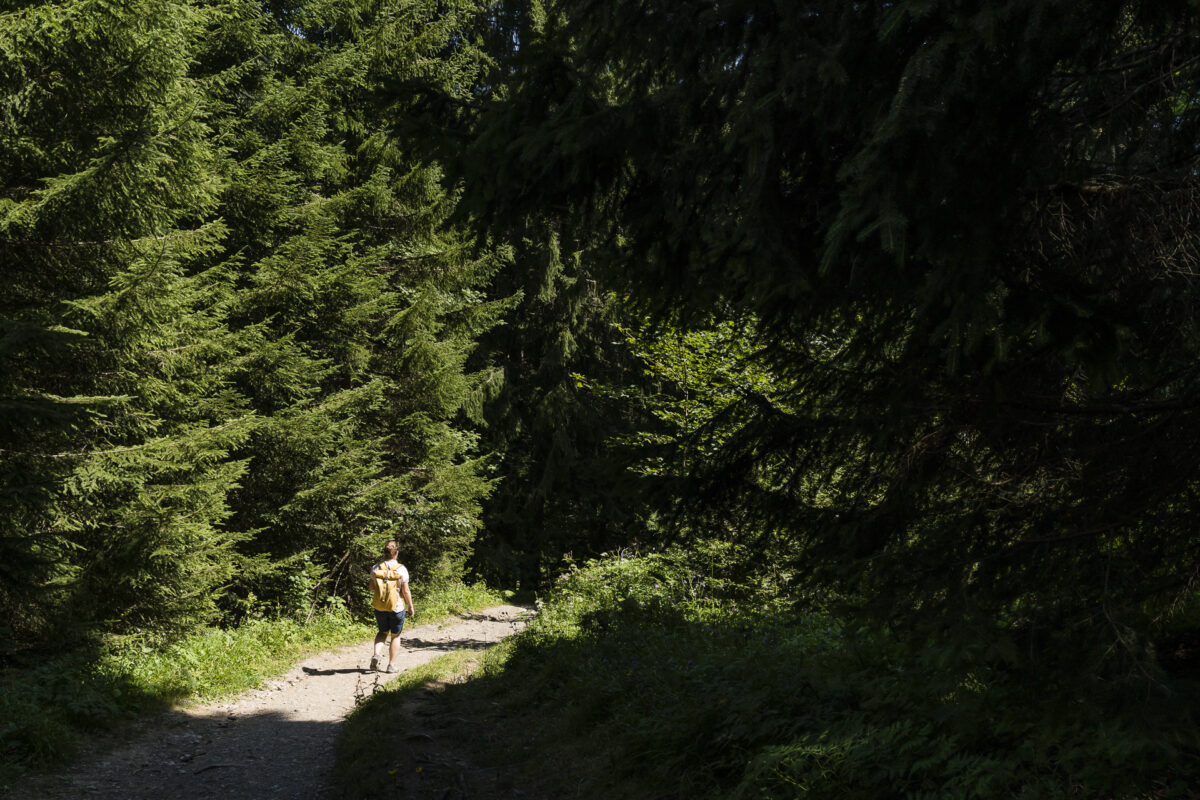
(677, 675)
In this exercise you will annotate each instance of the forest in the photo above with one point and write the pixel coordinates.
(835, 363)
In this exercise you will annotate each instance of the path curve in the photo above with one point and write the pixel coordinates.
(273, 742)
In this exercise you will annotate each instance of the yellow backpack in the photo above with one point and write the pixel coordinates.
(385, 588)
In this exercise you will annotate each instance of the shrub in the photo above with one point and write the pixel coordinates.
(744, 697)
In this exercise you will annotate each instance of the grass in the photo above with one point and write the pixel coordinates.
(371, 732)
(48, 708)
(459, 727)
(458, 598)
(638, 680)
(563, 693)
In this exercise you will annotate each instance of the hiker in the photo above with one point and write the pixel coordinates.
(389, 585)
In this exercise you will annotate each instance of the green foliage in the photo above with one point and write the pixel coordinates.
(962, 232)
(446, 600)
(562, 488)
(217, 663)
(715, 690)
(691, 377)
(118, 425)
(234, 346)
(364, 304)
(702, 584)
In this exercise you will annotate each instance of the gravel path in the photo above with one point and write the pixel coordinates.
(274, 742)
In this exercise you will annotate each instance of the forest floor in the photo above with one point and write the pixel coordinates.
(272, 742)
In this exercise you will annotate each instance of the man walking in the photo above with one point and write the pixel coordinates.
(389, 585)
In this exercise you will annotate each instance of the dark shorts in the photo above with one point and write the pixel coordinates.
(390, 621)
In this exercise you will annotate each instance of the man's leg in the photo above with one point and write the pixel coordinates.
(394, 649)
(381, 625)
(380, 638)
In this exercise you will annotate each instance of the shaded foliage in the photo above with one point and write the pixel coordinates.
(965, 233)
(563, 489)
(659, 676)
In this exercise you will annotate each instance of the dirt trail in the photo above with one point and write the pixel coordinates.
(274, 742)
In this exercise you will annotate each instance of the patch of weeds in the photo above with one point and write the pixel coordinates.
(439, 602)
(633, 684)
(375, 728)
(216, 663)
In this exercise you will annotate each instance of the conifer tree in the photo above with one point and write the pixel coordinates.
(362, 303)
(117, 418)
(238, 324)
(965, 232)
(563, 488)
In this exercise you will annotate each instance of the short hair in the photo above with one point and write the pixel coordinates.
(390, 550)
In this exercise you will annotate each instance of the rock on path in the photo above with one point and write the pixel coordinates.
(273, 742)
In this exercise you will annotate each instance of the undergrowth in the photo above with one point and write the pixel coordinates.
(646, 672)
(371, 732)
(47, 707)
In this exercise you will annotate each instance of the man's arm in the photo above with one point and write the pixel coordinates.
(407, 595)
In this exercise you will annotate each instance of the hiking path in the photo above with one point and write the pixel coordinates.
(272, 742)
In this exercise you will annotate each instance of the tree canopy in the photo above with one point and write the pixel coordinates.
(966, 233)
(236, 322)
(286, 280)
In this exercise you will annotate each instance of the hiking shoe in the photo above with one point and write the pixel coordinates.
(392, 668)
(374, 663)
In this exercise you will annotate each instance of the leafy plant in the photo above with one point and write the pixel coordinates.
(717, 691)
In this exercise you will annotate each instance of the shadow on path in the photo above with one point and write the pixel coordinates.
(264, 755)
(350, 671)
(446, 645)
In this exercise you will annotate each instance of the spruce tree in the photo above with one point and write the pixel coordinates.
(238, 322)
(362, 303)
(563, 489)
(117, 420)
(965, 232)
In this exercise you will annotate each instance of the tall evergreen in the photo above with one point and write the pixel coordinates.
(563, 488)
(965, 232)
(237, 321)
(362, 303)
(117, 419)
